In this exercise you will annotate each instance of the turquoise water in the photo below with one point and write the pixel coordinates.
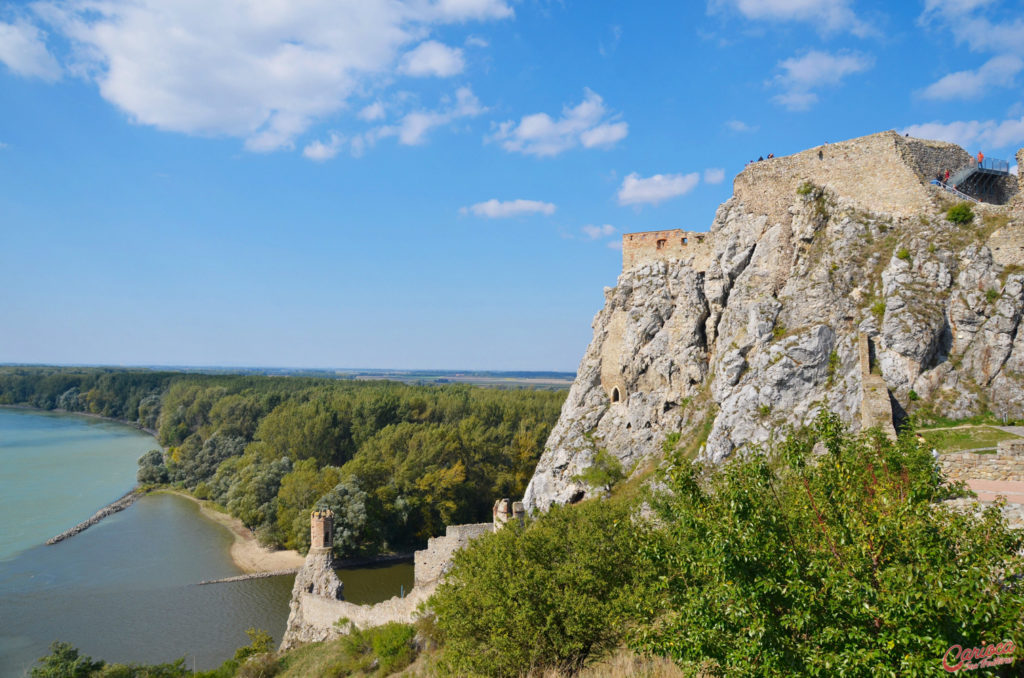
(57, 470)
(124, 590)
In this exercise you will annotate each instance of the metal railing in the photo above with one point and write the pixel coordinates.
(994, 165)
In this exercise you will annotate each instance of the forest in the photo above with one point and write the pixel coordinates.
(395, 462)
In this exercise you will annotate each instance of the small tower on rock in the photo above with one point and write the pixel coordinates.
(506, 510)
(321, 529)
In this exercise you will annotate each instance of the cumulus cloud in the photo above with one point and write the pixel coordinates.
(23, 50)
(595, 232)
(615, 244)
(714, 175)
(324, 150)
(740, 127)
(813, 70)
(497, 209)
(972, 133)
(263, 72)
(827, 15)
(636, 190)
(588, 124)
(432, 58)
(999, 71)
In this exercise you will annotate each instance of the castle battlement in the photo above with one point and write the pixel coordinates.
(648, 246)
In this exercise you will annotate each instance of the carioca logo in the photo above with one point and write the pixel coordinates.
(957, 657)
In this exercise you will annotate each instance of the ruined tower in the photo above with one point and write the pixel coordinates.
(321, 529)
(506, 510)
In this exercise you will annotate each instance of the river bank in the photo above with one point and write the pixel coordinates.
(245, 550)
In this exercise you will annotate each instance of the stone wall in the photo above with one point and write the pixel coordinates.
(643, 248)
(883, 172)
(432, 562)
(875, 406)
(1006, 464)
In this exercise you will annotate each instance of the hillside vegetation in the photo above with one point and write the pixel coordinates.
(826, 554)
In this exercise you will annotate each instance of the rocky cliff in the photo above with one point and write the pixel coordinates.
(724, 345)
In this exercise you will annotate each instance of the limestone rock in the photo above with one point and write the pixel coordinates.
(760, 332)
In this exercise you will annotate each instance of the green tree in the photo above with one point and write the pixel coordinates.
(842, 564)
(64, 661)
(545, 597)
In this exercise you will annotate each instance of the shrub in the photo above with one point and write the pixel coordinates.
(991, 295)
(840, 564)
(903, 254)
(603, 472)
(779, 331)
(912, 395)
(805, 188)
(547, 596)
(878, 309)
(960, 213)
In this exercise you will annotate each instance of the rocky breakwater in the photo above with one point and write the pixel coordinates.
(110, 509)
(762, 330)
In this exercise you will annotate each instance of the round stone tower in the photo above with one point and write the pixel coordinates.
(321, 530)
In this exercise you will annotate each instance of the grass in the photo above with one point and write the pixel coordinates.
(625, 664)
(959, 439)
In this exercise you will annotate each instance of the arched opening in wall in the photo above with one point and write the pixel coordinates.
(661, 244)
(615, 394)
(684, 241)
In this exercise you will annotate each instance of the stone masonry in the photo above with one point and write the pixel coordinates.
(317, 601)
(1006, 464)
(642, 248)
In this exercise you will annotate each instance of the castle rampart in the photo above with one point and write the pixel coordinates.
(642, 248)
(317, 596)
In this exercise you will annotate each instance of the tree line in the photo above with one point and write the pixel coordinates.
(395, 462)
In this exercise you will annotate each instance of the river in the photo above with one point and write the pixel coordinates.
(124, 590)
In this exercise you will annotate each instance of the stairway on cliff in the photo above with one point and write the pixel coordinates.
(979, 181)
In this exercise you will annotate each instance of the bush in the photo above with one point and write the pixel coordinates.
(960, 213)
(839, 564)
(547, 596)
(991, 295)
(903, 254)
(603, 473)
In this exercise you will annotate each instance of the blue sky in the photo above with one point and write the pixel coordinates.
(421, 183)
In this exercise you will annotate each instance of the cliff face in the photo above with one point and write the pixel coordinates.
(758, 328)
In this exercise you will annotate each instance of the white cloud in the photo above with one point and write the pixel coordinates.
(588, 124)
(615, 245)
(263, 72)
(595, 232)
(433, 58)
(714, 175)
(23, 50)
(1015, 170)
(999, 71)
(374, 111)
(637, 190)
(813, 70)
(324, 150)
(413, 128)
(476, 41)
(496, 209)
(972, 133)
(740, 126)
(964, 18)
(827, 15)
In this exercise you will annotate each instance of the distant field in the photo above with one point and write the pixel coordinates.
(488, 379)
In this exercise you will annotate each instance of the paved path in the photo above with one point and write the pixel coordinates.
(988, 490)
(1015, 430)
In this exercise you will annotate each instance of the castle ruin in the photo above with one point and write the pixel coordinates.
(318, 600)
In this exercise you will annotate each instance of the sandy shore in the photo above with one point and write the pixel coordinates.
(246, 551)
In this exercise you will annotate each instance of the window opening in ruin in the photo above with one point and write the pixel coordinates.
(661, 243)
(684, 241)
(615, 394)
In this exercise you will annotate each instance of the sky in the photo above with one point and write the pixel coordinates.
(421, 184)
